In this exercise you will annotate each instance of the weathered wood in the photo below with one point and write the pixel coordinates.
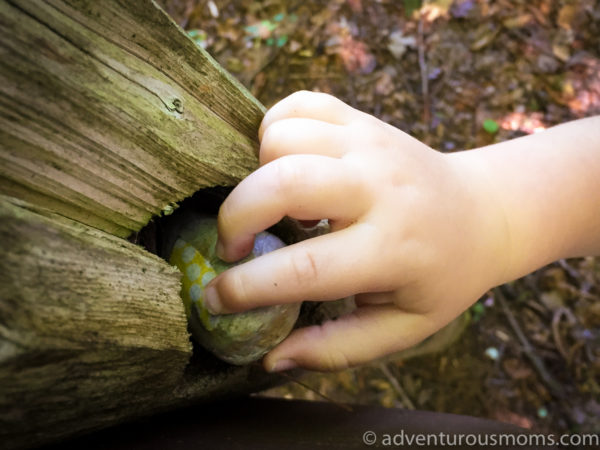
(92, 331)
(109, 113)
(84, 319)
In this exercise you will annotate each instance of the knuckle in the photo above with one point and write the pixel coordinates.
(304, 267)
(271, 136)
(338, 360)
(327, 356)
(335, 357)
(276, 138)
(224, 218)
(300, 96)
(287, 174)
(303, 99)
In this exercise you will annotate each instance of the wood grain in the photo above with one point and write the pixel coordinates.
(110, 114)
(86, 321)
(92, 332)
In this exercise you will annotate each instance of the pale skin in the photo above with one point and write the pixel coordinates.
(417, 235)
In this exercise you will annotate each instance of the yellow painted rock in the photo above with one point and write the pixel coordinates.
(236, 338)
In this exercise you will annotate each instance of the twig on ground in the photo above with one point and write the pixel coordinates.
(406, 401)
(556, 332)
(323, 396)
(529, 350)
(424, 74)
(573, 273)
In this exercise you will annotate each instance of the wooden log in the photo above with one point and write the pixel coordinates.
(110, 114)
(85, 318)
(92, 332)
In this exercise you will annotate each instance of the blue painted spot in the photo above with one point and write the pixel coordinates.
(196, 292)
(207, 277)
(193, 272)
(188, 254)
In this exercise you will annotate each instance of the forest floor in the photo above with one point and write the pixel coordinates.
(456, 75)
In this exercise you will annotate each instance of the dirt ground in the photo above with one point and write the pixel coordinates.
(457, 75)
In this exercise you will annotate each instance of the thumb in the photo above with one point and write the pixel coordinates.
(367, 333)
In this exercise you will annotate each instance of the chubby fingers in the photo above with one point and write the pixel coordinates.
(300, 186)
(368, 333)
(303, 136)
(310, 105)
(326, 267)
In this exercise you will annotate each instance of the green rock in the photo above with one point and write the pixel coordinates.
(236, 338)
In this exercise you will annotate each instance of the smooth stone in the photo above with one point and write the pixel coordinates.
(239, 338)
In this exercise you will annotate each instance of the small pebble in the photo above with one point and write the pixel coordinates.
(492, 353)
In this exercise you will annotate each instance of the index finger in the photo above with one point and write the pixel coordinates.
(321, 268)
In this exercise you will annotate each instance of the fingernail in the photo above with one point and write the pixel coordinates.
(220, 249)
(212, 302)
(283, 364)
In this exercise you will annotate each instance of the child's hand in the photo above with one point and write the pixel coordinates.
(416, 234)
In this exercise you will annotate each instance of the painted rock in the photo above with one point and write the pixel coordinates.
(239, 338)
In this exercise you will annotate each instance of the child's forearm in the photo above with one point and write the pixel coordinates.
(549, 187)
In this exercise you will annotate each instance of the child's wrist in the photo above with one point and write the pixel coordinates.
(491, 234)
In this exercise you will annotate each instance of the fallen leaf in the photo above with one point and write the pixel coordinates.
(513, 418)
(529, 124)
(294, 46)
(561, 51)
(214, 11)
(484, 37)
(547, 64)
(356, 56)
(518, 21)
(516, 369)
(399, 43)
(355, 5)
(566, 16)
(433, 9)
(384, 84)
(552, 300)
